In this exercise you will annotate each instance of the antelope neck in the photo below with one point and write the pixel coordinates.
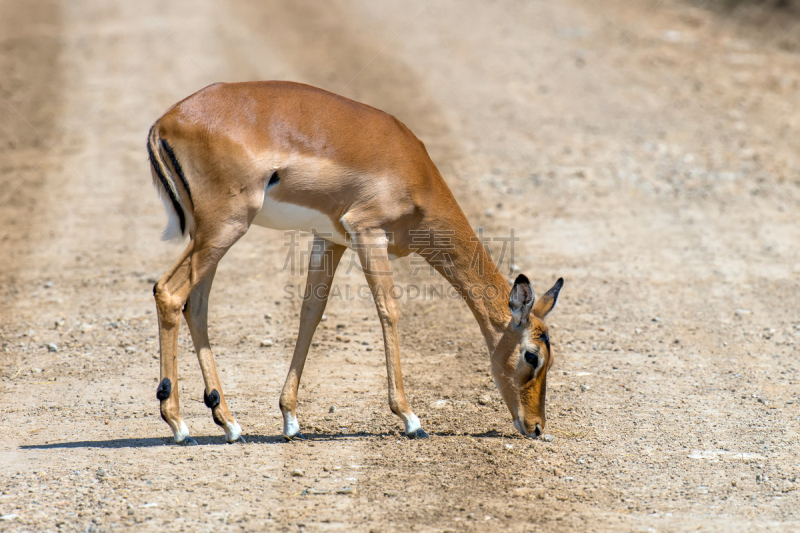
(471, 271)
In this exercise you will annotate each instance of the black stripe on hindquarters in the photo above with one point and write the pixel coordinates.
(163, 179)
(211, 400)
(177, 166)
(164, 389)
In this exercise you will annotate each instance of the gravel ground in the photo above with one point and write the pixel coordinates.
(645, 152)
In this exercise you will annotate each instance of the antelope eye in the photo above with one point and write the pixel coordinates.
(532, 359)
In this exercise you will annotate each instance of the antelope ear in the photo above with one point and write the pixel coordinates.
(521, 300)
(547, 302)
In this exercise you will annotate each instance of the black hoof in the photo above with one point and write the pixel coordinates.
(240, 440)
(298, 436)
(188, 441)
(418, 434)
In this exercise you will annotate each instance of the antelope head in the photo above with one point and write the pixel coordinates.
(523, 356)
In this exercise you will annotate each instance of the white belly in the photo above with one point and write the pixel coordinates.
(285, 216)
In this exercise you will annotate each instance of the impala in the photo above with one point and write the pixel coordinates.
(289, 156)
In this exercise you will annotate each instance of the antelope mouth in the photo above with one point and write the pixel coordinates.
(535, 434)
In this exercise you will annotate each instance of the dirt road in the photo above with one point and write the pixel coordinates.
(646, 154)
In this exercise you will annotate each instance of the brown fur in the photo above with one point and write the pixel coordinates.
(366, 172)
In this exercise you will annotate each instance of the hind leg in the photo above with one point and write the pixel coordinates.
(196, 314)
(171, 293)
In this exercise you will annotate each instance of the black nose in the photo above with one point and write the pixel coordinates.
(537, 430)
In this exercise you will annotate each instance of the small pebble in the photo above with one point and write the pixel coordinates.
(298, 473)
(52, 347)
(35, 370)
(267, 343)
(484, 400)
(48, 284)
(547, 438)
(332, 409)
(585, 388)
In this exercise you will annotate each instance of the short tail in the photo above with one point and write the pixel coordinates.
(181, 221)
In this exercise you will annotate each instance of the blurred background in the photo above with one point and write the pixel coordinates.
(645, 151)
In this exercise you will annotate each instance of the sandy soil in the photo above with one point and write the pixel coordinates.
(647, 154)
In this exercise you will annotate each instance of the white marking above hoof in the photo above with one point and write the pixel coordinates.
(232, 431)
(182, 433)
(412, 424)
(290, 425)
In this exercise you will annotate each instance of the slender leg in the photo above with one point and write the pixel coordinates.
(371, 246)
(196, 314)
(322, 264)
(167, 392)
(171, 293)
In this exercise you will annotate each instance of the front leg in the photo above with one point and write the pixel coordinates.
(322, 263)
(372, 248)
